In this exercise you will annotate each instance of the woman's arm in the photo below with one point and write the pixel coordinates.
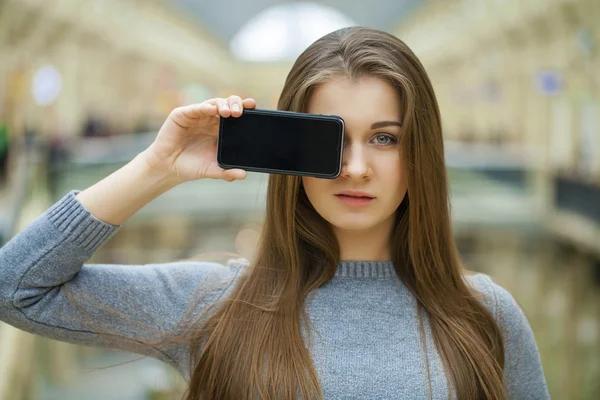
(46, 289)
(522, 364)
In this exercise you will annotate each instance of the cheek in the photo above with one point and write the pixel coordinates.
(394, 172)
(312, 188)
(319, 195)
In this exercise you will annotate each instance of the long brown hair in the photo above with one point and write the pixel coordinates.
(253, 346)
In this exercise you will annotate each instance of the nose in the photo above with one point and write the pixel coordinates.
(355, 163)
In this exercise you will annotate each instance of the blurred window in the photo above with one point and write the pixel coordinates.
(282, 32)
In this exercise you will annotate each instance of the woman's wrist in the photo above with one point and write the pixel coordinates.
(161, 181)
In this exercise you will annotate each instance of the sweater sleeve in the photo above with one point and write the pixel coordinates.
(46, 289)
(522, 366)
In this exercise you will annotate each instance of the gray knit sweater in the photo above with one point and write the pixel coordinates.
(368, 346)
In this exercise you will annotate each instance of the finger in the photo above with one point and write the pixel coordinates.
(212, 107)
(229, 175)
(207, 109)
(185, 115)
(249, 103)
(234, 174)
(235, 105)
(212, 101)
(224, 110)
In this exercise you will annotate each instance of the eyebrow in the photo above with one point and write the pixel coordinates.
(383, 124)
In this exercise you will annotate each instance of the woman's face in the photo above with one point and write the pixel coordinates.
(372, 162)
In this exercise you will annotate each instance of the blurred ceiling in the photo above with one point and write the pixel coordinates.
(225, 19)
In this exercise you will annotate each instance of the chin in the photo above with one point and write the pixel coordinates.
(353, 222)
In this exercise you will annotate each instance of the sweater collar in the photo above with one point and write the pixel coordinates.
(365, 269)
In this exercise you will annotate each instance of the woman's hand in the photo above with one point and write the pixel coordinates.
(186, 145)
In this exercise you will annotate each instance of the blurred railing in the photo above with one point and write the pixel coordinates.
(492, 187)
(489, 187)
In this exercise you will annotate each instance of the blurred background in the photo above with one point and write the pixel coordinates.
(85, 84)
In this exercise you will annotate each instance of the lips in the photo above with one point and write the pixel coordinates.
(355, 194)
(355, 198)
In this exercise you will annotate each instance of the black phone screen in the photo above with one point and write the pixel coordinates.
(282, 142)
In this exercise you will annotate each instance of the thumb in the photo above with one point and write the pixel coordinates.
(234, 174)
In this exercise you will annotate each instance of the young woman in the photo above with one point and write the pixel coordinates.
(347, 297)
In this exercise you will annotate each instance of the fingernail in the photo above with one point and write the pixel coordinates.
(235, 107)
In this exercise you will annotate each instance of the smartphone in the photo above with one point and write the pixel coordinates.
(282, 142)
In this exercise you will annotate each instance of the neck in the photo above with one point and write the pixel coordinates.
(365, 245)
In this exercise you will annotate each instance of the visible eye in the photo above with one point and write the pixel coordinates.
(384, 139)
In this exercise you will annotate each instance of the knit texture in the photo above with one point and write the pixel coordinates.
(366, 340)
